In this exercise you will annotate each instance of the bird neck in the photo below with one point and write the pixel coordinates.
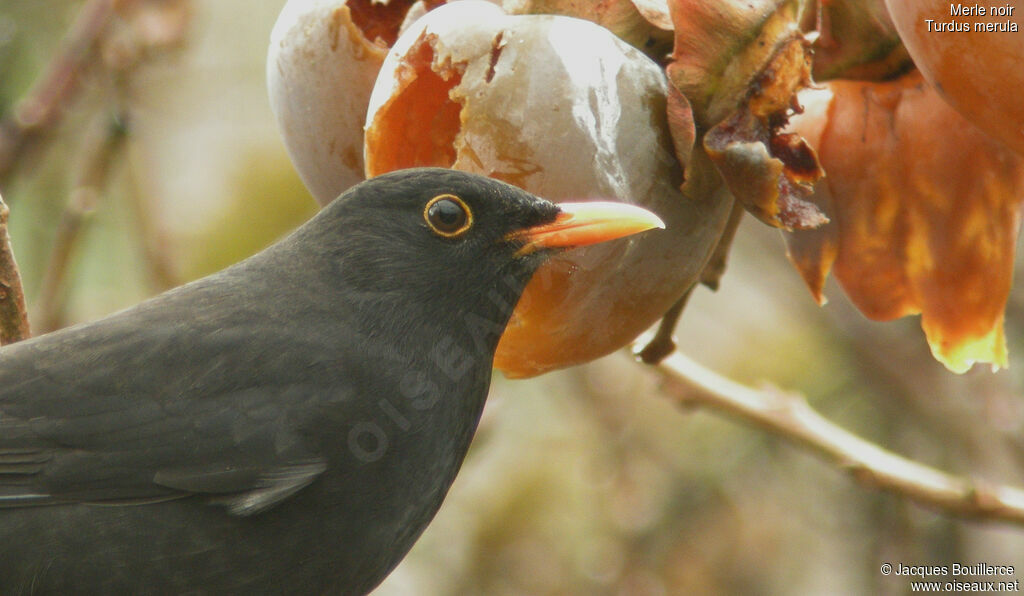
(473, 322)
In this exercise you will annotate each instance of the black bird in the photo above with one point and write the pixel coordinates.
(288, 425)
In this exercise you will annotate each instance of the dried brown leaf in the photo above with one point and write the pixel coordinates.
(926, 211)
(772, 174)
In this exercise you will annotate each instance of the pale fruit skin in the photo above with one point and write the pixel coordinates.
(320, 71)
(563, 109)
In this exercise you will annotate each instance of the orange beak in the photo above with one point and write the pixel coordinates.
(581, 224)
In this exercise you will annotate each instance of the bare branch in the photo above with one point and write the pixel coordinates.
(100, 151)
(789, 416)
(13, 315)
(152, 238)
(43, 106)
(663, 343)
(715, 269)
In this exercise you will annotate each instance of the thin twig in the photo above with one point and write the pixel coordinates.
(663, 343)
(100, 151)
(13, 315)
(715, 269)
(41, 109)
(151, 236)
(152, 28)
(789, 416)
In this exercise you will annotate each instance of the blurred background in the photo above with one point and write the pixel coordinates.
(164, 164)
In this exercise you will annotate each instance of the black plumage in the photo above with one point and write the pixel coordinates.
(288, 425)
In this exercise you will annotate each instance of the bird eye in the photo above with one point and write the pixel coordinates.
(448, 216)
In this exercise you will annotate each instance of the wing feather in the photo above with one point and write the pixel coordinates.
(152, 404)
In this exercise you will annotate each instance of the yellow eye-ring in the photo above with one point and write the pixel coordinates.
(448, 216)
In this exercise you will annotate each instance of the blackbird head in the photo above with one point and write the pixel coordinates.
(451, 239)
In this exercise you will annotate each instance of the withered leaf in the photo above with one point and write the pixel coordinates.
(925, 210)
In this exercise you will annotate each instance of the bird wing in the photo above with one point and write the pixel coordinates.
(243, 491)
(149, 406)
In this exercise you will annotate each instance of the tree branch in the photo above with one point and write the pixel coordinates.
(43, 106)
(663, 343)
(13, 315)
(789, 416)
(152, 238)
(100, 151)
